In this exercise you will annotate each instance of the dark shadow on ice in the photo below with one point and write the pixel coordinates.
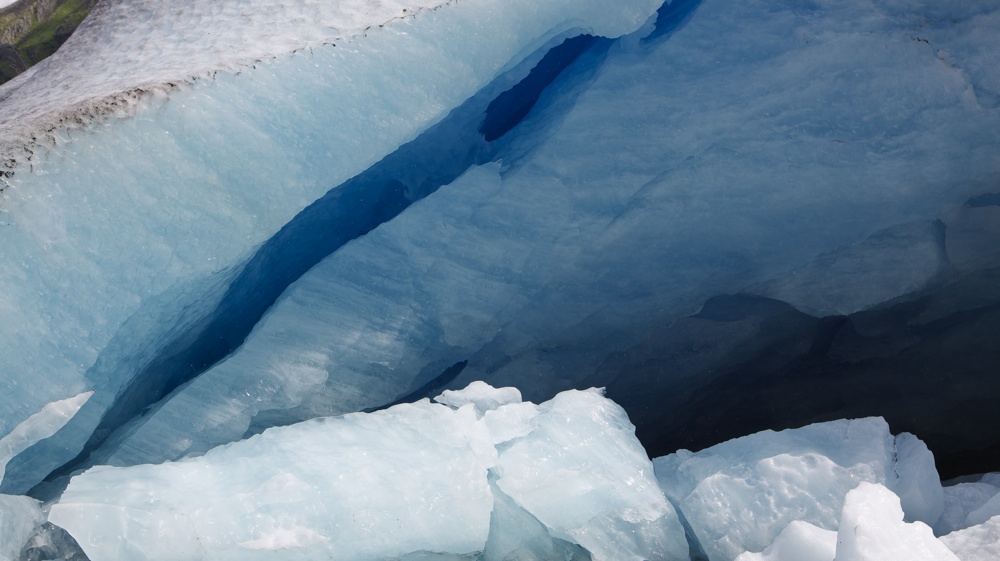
(747, 364)
(986, 199)
(670, 17)
(429, 390)
(510, 107)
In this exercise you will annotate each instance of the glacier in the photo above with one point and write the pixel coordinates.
(224, 225)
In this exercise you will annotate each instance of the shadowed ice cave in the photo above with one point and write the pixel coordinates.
(734, 219)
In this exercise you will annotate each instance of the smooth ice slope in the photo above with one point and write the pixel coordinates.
(119, 241)
(413, 478)
(740, 495)
(726, 167)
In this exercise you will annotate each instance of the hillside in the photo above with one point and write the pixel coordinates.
(31, 30)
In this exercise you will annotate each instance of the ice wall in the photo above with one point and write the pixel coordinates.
(480, 199)
(121, 239)
(817, 167)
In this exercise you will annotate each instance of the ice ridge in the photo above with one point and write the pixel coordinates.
(155, 47)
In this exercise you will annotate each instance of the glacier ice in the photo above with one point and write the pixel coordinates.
(641, 223)
(960, 500)
(271, 212)
(976, 543)
(872, 529)
(582, 474)
(114, 264)
(39, 426)
(413, 478)
(19, 516)
(740, 495)
(799, 541)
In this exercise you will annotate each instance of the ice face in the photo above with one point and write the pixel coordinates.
(799, 541)
(545, 238)
(92, 303)
(413, 478)
(39, 426)
(566, 246)
(19, 516)
(960, 500)
(740, 495)
(978, 543)
(582, 475)
(872, 529)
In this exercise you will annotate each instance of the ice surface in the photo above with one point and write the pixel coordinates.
(481, 395)
(359, 487)
(39, 426)
(960, 500)
(413, 478)
(989, 509)
(127, 48)
(582, 474)
(729, 166)
(977, 543)
(739, 495)
(916, 480)
(120, 240)
(872, 529)
(19, 516)
(799, 541)
(887, 264)
(692, 158)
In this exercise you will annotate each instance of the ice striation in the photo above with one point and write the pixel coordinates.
(243, 241)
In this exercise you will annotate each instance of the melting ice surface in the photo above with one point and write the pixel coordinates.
(225, 222)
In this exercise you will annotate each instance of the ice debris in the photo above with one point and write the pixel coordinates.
(566, 476)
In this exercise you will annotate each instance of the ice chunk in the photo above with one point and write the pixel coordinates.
(739, 495)
(569, 478)
(989, 509)
(39, 426)
(872, 529)
(362, 486)
(918, 484)
(482, 395)
(799, 541)
(510, 421)
(960, 500)
(976, 543)
(51, 542)
(19, 517)
(517, 535)
(582, 473)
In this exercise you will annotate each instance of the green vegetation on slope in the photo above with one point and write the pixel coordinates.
(47, 35)
(37, 28)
